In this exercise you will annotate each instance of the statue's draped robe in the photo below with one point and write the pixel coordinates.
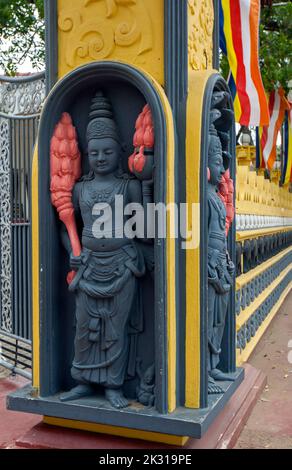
(107, 315)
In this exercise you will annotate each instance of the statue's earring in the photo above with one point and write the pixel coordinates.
(208, 174)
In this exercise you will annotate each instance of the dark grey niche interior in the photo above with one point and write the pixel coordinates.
(128, 92)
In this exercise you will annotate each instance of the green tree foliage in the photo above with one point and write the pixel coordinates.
(275, 45)
(22, 34)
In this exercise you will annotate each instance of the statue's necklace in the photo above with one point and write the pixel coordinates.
(99, 195)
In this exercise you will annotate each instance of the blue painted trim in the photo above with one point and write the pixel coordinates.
(176, 83)
(216, 35)
(286, 147)
(223, 46)
(22, 79)
(51, 33)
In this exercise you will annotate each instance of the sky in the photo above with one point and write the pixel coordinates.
(26, 67)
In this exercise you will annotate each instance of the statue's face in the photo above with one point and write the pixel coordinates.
(103, 155)
(217, 170)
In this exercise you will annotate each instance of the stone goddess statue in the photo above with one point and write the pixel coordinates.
(105, 283)
(220, 267)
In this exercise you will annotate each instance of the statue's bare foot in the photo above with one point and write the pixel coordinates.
(77, 392)
(116, 398)
(214, 388)
(216, 374)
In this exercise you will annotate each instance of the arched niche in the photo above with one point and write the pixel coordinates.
(128, 89)
(202, 85)
(227, 363)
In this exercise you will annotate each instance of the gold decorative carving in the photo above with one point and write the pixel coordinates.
(200, 40)
(112, 5)
(92, 30)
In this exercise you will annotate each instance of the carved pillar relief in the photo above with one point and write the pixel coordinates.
(126, 30)
(200, 38)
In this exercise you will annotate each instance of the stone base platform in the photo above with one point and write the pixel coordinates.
(222, 433)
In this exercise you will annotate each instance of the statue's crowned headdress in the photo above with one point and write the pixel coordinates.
(215, 145)
(101, 120)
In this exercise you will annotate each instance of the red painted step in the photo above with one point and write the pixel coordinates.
(13, 424)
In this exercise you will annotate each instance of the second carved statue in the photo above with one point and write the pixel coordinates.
(221, 269)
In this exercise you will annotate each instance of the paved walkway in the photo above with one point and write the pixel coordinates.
(12, 424)
(270, 424)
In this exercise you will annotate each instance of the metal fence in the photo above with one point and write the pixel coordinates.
(21, 100)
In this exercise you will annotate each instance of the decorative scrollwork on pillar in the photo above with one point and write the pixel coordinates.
(127, 25)
(122, 30)
(5, 229)
(200, 40)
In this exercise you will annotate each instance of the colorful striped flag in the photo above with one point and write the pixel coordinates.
(239, 41)
(269, 134)
(287, 163)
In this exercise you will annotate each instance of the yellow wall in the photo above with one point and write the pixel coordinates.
(259, 196)
(132, 31)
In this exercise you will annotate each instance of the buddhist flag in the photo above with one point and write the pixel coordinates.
(269, 134)
(287, 163)
(239, 41)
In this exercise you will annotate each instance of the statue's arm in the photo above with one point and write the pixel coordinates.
(64, 234)
(135, 195)
(209, 213)
(143, 194)
(135, 191)
(65, 239)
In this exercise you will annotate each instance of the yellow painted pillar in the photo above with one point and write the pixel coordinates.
(129, 31)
